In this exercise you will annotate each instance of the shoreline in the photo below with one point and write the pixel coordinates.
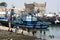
(5, 34)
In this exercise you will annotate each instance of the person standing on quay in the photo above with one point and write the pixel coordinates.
(34, 30)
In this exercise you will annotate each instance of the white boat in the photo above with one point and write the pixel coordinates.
(57, 21)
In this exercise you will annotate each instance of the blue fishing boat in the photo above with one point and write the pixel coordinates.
(32, 22)
(3, 19)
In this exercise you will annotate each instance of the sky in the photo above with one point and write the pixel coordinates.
(51, 5)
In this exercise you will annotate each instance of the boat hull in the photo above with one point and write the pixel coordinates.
(32, 24)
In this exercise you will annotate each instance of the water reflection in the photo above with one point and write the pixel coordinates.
(54, 30)
(52, 33)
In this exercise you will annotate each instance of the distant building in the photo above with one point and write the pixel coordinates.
(4, 9)
(37, 7)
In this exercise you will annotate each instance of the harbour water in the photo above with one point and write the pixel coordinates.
(52, 30)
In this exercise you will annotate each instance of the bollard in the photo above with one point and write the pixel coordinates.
(16, 29)
(11, 30)
(26, 29)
